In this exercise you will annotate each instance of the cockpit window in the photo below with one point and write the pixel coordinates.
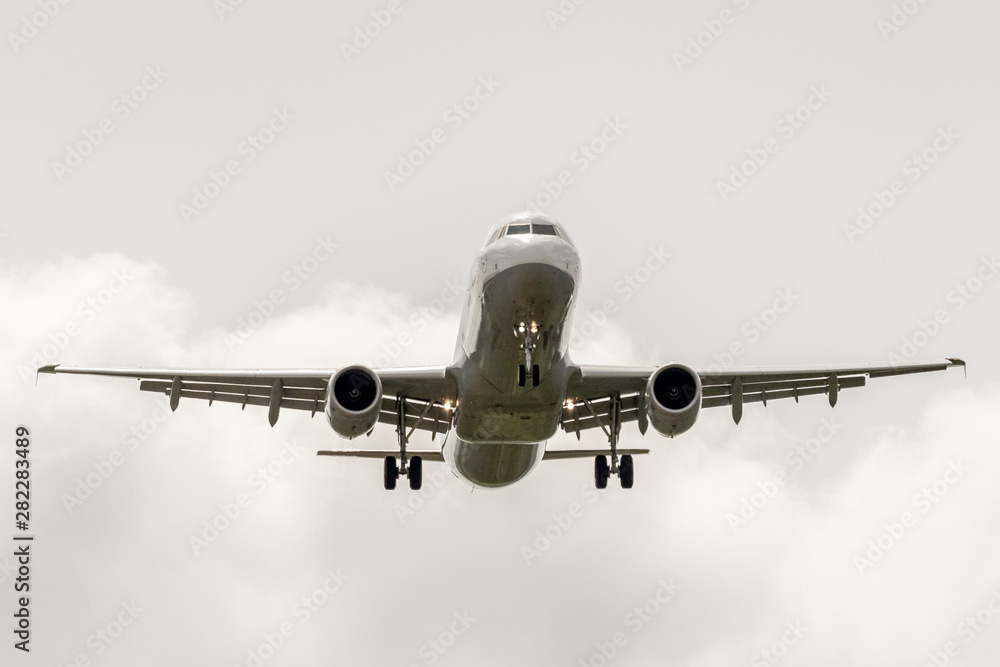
(546, 230)
(518, 229)
(497, 234)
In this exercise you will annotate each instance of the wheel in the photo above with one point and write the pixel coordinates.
(534, 375)
(520, 375)
(391, 473)
(626, 471)
(416, 472)
(601, 472)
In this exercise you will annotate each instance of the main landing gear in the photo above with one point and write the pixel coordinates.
(623, 467)
(412, 468)
(526, 332)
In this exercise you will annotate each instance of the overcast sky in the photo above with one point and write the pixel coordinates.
(266, 185)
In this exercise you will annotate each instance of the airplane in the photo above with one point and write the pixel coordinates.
(512, 383)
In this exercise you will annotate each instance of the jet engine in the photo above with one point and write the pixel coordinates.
(673, 398)
(353, 398)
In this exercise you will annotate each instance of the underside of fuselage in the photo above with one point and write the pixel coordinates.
(512, 361)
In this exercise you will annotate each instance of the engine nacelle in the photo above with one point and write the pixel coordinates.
(673, 398)
(353, 398)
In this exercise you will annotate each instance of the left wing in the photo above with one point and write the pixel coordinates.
(592, 387)
(425, 389)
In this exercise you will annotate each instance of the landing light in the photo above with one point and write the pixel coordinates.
(447, 405)
(569, 404)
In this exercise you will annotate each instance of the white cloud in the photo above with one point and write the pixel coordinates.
(461, 551)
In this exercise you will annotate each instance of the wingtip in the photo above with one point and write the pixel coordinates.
(47, 368)
(955, 361)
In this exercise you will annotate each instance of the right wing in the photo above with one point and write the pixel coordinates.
(590, 392)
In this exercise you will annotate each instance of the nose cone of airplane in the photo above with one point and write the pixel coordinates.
(529, 237)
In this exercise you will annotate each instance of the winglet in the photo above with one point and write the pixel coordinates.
(48, 368)
(960, 362)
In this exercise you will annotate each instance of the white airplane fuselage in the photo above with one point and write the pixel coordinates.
(520, 283)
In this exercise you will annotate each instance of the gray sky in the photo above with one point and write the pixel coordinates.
(746, 159)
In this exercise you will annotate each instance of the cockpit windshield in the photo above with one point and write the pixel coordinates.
(542, 229)
(538, 226)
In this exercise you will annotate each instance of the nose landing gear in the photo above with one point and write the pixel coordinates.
(526, 332)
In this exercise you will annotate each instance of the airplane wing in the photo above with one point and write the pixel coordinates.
(591, 390)
(559, 454)
(425, 389)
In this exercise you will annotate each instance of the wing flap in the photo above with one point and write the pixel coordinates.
(582, 414)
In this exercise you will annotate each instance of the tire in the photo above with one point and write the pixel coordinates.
(391, 473)
(521, 375)
(626, 471)
(534, 375)
(416, 473)
(601, 472)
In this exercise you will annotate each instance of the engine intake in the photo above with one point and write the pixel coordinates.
(353, 399)
(673, 398)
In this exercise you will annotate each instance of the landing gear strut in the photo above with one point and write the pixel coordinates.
(526, 332)
(411, 468)
(623, 467)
